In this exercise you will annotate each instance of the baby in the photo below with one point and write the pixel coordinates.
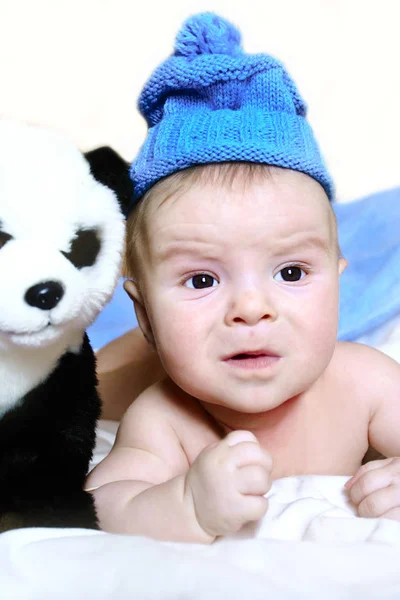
(234, 263)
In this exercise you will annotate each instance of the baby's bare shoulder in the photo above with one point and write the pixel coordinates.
(162, 417)
(366, 367)
(355, 353)
(147, 447)
(163, 401)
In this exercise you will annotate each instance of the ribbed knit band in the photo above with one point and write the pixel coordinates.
(210, 102)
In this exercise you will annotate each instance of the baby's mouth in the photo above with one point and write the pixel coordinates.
(245, 355)
(252, 360)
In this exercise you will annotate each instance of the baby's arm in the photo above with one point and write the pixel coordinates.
(375, 488)
(146, 487)
(142, 479)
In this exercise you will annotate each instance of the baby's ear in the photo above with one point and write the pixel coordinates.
(342, 264)
(133, 291)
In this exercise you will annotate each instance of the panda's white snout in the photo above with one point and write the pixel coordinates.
(45, 295)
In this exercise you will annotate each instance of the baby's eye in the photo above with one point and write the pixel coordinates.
(290, 274)
(201, 281)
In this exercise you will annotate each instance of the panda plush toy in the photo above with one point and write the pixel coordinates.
(61, 243)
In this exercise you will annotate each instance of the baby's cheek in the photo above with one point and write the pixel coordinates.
(176, 339)
(324, 324)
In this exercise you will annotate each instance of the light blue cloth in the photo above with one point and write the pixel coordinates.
(369, 235)
(116, 318)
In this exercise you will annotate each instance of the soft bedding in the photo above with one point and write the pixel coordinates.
(310, 545)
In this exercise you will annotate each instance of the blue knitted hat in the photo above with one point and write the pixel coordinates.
(210, 103)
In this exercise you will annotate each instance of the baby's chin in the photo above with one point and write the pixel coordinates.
(252, 406)
(252, 396)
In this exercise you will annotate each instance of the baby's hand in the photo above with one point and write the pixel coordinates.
(227, 483)
(375, 489)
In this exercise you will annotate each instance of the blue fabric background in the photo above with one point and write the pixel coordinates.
(369, 235)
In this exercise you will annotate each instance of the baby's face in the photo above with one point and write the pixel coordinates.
(241, 289)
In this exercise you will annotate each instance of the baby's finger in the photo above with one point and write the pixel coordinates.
(239, 436)
(393, 514)
(254, 481)
(256, 507)
(380, 502)
(371, 466)
(368, 483)
(248, 453)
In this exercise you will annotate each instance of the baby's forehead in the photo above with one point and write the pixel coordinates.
(262, 212)
(273, 190)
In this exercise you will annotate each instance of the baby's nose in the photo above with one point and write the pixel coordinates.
(251, 306)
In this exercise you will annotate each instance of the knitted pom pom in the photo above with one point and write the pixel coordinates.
(207, 33)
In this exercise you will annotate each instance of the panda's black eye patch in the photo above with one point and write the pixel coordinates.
(85, 248)
(4, 237)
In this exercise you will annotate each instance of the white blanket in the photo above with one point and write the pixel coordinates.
(310, 545)
(317, 508)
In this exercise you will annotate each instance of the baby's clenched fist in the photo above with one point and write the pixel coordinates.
(227, 483)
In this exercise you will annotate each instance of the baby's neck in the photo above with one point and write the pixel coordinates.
(265, 423)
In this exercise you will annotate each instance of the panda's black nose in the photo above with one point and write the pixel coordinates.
(45, 295)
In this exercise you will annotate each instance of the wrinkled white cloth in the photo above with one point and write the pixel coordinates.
(317, 508)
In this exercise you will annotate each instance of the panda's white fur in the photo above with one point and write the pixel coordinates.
(47, 193)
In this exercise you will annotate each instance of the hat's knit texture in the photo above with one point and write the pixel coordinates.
(210, 102)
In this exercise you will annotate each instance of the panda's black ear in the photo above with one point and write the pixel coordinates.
(110, 169)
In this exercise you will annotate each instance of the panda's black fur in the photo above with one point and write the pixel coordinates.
(46, 443)
(47, 437)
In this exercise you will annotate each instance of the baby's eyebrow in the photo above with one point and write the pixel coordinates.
(292, 243)
(304, 242)
(184, 247)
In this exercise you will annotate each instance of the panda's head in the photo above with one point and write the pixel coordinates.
(61, 238)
